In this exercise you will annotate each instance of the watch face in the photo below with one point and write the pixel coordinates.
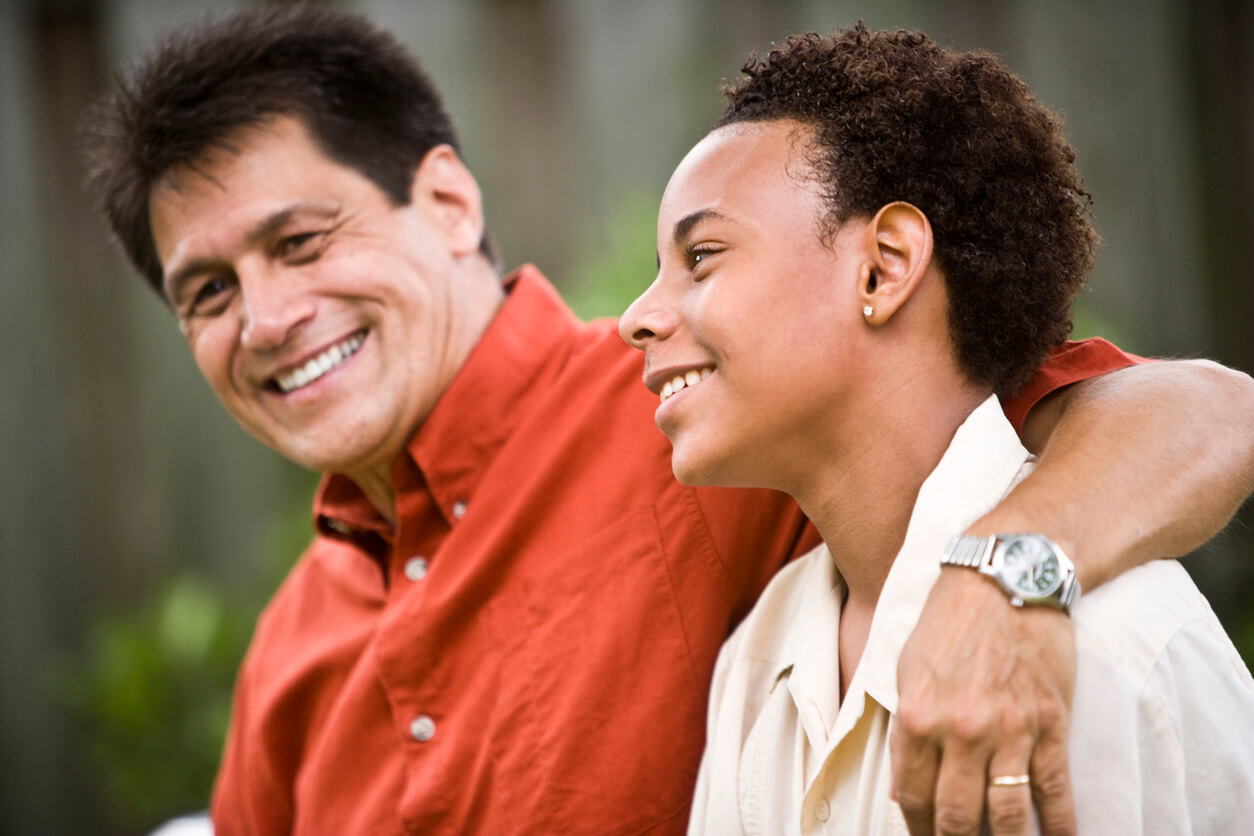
(1030, 567)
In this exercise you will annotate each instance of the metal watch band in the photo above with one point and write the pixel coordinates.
(1069, 593)
(968, 550)
(974, 552)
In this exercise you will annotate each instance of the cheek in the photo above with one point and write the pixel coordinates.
(720, 319)
(212, 352)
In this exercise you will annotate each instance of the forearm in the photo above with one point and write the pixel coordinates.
(1147, 462)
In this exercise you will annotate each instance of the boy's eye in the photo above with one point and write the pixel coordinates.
(699, 255)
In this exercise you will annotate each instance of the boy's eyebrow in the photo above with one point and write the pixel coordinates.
(685, 224)
(265, 226)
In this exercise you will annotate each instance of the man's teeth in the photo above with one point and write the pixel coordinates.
(320, 365)
(681, 381)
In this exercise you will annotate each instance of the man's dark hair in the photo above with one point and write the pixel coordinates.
(895, 117)
(366, 101)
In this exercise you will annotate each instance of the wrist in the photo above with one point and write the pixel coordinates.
(1030, 569)
(1005, 520)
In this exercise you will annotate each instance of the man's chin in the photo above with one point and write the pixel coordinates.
(318, 458)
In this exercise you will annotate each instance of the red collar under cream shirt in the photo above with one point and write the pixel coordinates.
(530, 650)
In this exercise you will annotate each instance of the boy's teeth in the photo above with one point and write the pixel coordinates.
(683, 381)
(320, 365)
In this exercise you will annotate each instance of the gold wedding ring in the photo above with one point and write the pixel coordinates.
(1008, 780)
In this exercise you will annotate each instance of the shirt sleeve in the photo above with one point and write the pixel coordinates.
(1068, 363)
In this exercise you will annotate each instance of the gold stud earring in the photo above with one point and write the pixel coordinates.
(867, 311)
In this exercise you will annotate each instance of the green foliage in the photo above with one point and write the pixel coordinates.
(153, 692)
(1088, 322)
(607, 279)
(151, 689)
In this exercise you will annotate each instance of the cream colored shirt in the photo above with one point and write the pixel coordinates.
(1162, 735)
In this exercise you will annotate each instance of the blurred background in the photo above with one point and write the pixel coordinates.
(141, 530)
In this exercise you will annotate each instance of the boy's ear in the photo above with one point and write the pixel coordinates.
(443, 183)
(898, 245)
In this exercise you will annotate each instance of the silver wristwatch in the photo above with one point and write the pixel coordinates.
(1031, 569)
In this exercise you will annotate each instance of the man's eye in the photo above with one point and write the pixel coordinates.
(210, 289)
(303, 245)
(209, 296)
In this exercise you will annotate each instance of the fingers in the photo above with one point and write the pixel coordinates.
(1009, 794)
(979, 775)
(940, 764)
(961, 786)
(915, 762)
(984, 690)
(1051, 783)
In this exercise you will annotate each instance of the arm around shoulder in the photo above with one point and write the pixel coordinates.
(1149, 461)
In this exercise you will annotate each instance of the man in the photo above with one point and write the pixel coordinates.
(508, 617)
(813, 211)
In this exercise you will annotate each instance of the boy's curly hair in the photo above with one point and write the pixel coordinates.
(896, 117)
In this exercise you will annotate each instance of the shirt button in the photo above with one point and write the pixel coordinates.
(823, 810)
(422, 728)
(459, 509)
(416, 568)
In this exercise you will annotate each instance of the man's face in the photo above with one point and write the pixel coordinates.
(751, 308)
(327, 320)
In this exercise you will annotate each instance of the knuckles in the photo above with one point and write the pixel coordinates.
(951, 819)
(915, 805)
(916, 718)
(1016, 721)
(1051, 783)
(1053, 714)
(971, 724)
(1011, 814)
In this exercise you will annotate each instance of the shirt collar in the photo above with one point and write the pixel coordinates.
(525, 345)
(983, 461)
(812, 648)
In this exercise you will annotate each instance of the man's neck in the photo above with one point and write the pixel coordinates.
(482, 299)
(377, 486)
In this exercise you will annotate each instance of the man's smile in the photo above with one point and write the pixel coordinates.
(319, 365)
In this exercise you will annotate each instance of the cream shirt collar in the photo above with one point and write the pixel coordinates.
(982, 463)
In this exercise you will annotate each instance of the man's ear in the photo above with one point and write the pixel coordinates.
(448, 193)
(898, 244)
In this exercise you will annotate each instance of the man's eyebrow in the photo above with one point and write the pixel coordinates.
(259, 230)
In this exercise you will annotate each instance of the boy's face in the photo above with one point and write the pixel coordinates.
(751, 309)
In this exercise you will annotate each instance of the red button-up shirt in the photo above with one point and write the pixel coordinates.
(529, 649)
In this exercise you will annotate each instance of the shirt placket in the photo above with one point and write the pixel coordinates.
(406, 653)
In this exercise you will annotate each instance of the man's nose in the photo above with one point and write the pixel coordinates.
(648, 318)
(276, 305)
